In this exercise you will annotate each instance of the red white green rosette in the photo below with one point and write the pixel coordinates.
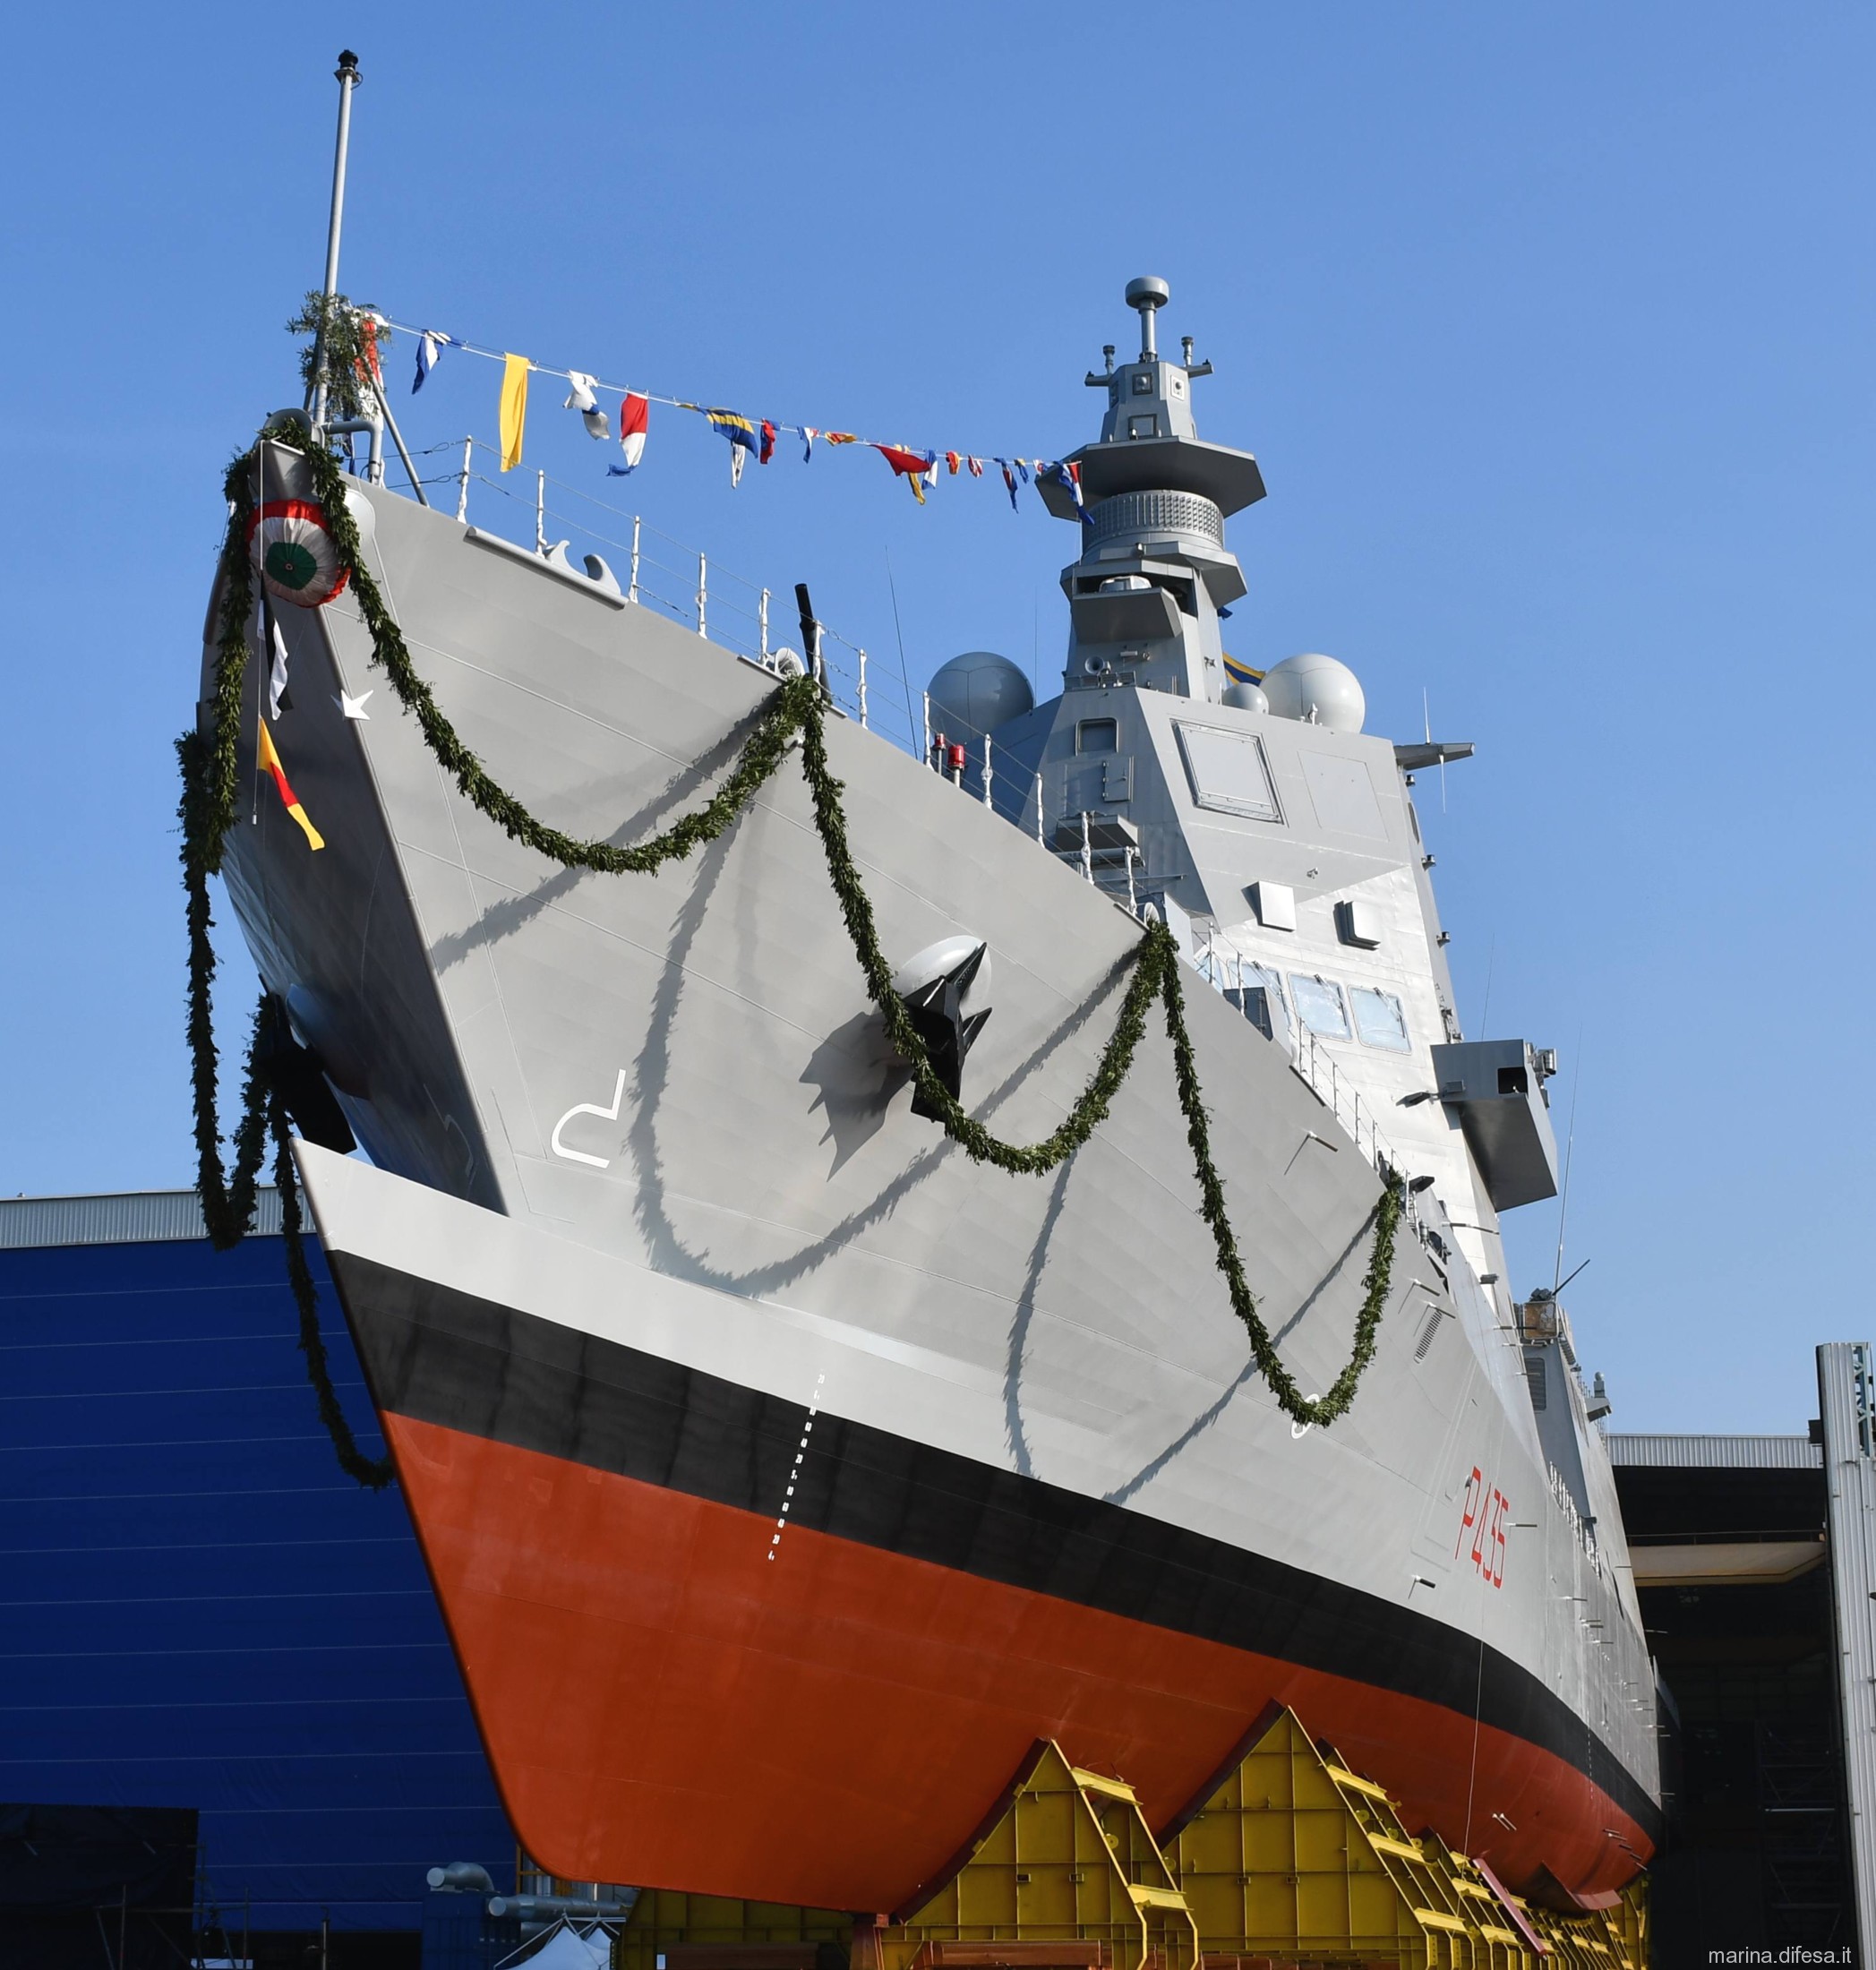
(298, 562)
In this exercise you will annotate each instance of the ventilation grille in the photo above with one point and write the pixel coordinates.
(1534, 1374)
(1152, 516)
(1428, 1332)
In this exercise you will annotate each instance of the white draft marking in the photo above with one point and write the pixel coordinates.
(588, 1107)
(795, 1470)
(353, 707)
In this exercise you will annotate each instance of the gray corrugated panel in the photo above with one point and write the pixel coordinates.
(1716, 1453)
(1846, 1403)
(124, 1217)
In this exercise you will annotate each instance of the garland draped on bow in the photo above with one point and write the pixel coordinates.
(798, 707)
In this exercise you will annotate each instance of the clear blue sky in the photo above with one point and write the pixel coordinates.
(1551, 326)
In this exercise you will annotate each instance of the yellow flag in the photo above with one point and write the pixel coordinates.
(514, 407)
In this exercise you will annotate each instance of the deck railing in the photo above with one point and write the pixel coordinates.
(656, 572)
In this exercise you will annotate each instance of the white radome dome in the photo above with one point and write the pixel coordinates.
(974, 693)
(1318, 689)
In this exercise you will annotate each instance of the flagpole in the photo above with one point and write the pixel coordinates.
(347, 77)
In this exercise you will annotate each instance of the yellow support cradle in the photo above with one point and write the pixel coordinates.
(1293, 1860)
(669, 1931)
(1071, 1860)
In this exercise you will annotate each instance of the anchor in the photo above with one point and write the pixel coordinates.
(945, 989)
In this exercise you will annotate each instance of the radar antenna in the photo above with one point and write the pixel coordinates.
(1149, 293)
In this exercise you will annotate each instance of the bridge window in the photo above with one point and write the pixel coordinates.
(1320, 1005)
(1379, 1020)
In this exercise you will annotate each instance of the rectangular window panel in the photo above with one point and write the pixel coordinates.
(1320, 1005)
(1261, 974)
(1379, 1020)
(1229, 772)
(1257, 992)
(1098, 735)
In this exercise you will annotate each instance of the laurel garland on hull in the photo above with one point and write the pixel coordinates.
(209, 786)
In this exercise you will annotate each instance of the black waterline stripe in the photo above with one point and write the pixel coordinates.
(444, 1356)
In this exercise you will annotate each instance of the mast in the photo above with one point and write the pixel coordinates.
(1154, 578)
(347, 77)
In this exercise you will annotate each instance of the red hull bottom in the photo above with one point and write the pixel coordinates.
(665, 1704)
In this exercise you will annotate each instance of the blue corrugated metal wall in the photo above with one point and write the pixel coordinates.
(199, 1608)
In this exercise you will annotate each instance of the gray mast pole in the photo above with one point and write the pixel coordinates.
(348, 77)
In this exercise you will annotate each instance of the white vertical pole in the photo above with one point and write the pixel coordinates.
(703, 587)
(462, 490)
(862, 691)
(1132, 900)
(347, 76)
(1087, 849)
(927, 731)
(763, 614)
(540, 513)
(988, 774)
(1039, 803)
(631, 593)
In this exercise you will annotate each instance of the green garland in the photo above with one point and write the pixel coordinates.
(374, 1473)
(210, 782)
(1294, 1404)
(339, 346)
(765, 750)
(228, 1200)
(1156, 972)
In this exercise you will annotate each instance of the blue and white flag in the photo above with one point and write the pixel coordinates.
(1063, 474)
(586, 404)
(431, 345)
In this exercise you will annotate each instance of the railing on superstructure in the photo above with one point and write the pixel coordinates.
(659, 572)
(1224, 970)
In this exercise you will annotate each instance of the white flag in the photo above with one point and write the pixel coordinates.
(583, 400)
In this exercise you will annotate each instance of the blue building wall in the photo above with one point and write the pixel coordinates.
(199, 1608)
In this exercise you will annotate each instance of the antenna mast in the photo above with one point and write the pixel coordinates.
(347, 77)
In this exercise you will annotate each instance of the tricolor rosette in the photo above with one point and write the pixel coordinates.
(295, 554)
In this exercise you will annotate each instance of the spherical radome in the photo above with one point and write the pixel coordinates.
(976, 692)
(1245, 698)
(1316, 688)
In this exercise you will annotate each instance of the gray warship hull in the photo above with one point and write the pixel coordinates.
(783, 1474)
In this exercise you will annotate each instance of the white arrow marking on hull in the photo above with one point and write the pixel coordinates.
(589, 1107)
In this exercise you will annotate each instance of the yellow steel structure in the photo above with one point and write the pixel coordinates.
(667, 1931)
(1292, 1860)
(1070, 1860)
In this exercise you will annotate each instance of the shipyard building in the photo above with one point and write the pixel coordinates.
(233, 1726)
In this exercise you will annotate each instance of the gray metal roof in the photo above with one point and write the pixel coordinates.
(124, 1217)
(1716, 1453)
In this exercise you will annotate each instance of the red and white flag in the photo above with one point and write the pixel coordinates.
(634, 421)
